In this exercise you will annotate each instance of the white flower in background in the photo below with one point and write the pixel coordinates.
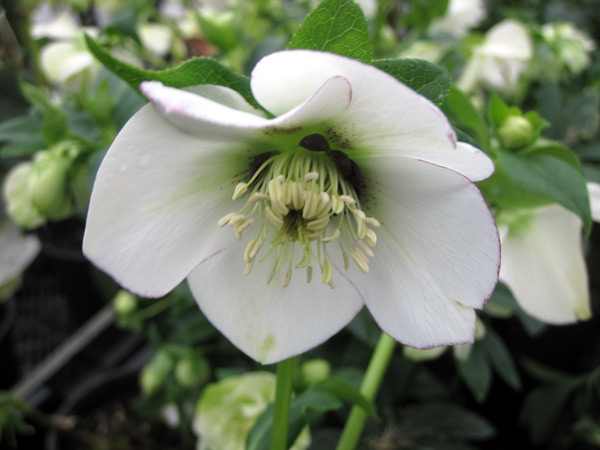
(156, 37)
(570, 47)
(594, 193)
(543, 264)
(460, 17)
(65, 60)
(17, 252)
(228, 409)
(431, 51)
(356, 183)
(499, 62)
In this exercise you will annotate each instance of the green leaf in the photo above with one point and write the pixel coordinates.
(307, 407)
(476, 372)
(23, 135)
(335, 26)
(191, 73)
(344, 390)
(54, 128)
(445, 421)
(423, 12)
(501, 359)
(429, 80)
(542, 408)
(462, 114)
(549, 177)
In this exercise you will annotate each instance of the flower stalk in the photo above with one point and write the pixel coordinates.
(370, 385)
(283, 402)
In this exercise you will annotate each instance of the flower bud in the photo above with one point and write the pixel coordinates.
(192, 371)
(125, 303)
(312, 371)
(516, 132)
(49, 183)
(154, 375)
(17, 197)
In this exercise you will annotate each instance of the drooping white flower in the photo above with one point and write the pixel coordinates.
(460, 17)
(17, 252)
(65, 60)
(570, 48)
(355, 173)
(498, 63)
(543, 264)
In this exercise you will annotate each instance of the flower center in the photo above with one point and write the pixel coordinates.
(306, 196)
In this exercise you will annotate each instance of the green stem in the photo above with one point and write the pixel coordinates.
(283, 401)
(369, 387)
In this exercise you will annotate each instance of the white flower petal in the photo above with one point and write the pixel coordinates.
(17, 251)
(472, 162)
(156, 201)
(200, 116)
(543, 265)
(384, 116)
(270, 322)
(209, 117)
(61, 60)
(437, 254)
(594, 193)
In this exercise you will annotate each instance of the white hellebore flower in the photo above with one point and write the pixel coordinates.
(543, 264)
(66, 60)
(460, 17)
(498, 63)
(351, 159)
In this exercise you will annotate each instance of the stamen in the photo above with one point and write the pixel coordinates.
(327, 271)
(366, 249)
(361, 260)
(240, 190)
(302, 199)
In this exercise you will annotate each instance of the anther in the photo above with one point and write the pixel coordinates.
(361, 260)
(335, 235)
(225, 219)
(240, 190)
(311, 176)
(365, 248)
(258, 197)
(347, 199)
(371, 237)
(373, 222)
(327, 271)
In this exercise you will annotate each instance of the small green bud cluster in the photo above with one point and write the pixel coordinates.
(45, 188)
(186, 366)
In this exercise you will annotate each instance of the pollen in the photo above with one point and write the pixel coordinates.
(299, 203)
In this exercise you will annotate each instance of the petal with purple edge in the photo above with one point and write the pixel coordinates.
(384, 117)
(437, 255)
(148, 226)
(269, 322)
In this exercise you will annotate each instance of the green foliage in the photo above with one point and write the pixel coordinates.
(54, 127)
(488, 355)
(463, 115)
(191, 73)
(335, 26)
(429, 80)
(308, 407)
(548, 178)
(423, 12)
